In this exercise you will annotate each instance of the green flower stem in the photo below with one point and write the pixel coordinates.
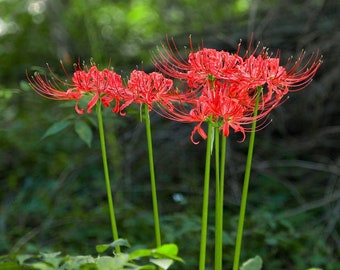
(152, 177)
(205, 205)
(220, 204)
(106, 175)
(218, 212)
(245, 187)
(222, 168)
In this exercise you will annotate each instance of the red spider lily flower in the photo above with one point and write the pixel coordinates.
(196, 112)
(301, 72)
(263, 69)
(210, 63)
(105, 85)
(214, 105)
(277, 80)
(224, 86)
(147, 89)
(197, 67)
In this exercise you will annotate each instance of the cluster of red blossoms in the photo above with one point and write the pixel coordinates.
(217, 86)
(223, 88)
(104, 86)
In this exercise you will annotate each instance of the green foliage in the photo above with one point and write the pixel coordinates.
(163, 257)
(252, 264)
(84, 131)
(56, 127)
(104, 247)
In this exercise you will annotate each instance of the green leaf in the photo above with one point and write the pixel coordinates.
(21, 258)
(169, 251)
(119, 242)
(84, 131)
(108, 263)
(112, 263)
(252, 264)
(140, 253)
(164, 263)
(52, 259)
(42, 266)
(78, 262)
(56, 127)
(102, 248)
(145, 267)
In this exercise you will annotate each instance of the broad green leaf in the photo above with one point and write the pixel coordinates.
(140, 253)
(102, 248)
(167, 251)
(78, 262)
(119, 242)
(164, 263)
(314, 268)
(52, 259)
(112, 263)
(108, 263)
(41, 266)
(84, 132)
(56, 127)
(252, 264)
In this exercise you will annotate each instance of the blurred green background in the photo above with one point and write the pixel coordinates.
(52, 195)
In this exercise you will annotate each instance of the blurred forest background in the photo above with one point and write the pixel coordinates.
(52, 195)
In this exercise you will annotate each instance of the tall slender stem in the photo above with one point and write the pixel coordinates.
(205, 205)
(218, 211)
(245, 187)
(220, 207)
(152, 177)
(106, 175)
(222, 167)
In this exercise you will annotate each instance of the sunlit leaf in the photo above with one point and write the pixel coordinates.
(52, 259)
(108, 263)
(164, 263)
(77, 261)
(140, 253)
(169, 251)
(252, 264)
(119, 242)
(42, 266)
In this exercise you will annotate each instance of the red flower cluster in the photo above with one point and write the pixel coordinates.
(219, 87)
(147, 89)
(222, 88)
(105, 86)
